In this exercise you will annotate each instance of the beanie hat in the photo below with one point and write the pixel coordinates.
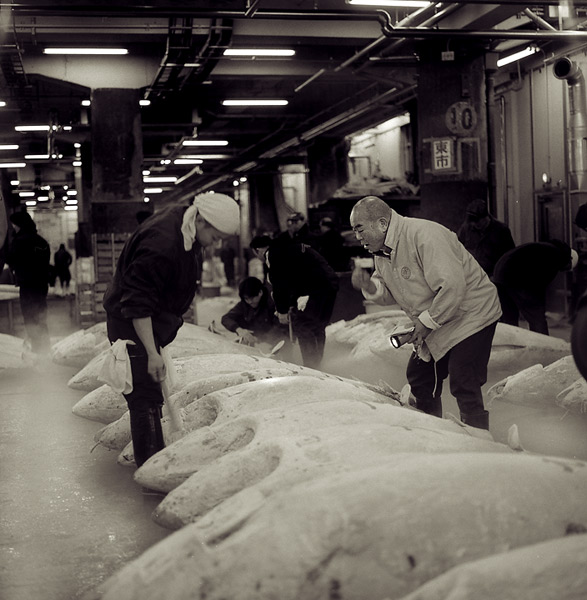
(23, 220)
(220, 210)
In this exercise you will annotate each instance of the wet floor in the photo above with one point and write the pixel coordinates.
(70, 516)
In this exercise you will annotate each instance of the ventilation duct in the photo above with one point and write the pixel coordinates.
(566, 69)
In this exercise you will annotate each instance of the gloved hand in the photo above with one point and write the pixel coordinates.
(302, 302)
(283, 318)
(247, 336)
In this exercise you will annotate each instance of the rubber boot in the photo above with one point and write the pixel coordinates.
(481, 420)
(433, 408)
(146, 432)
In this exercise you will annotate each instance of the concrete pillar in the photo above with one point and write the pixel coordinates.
(452, 131)
(117, 159)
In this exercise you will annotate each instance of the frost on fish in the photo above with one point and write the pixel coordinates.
(574, 397)
(227, 433)
(379, 531)
(240, 481)
(536, 385)
(13, 353)
(77, 349)
(116, 435)
(102, 404)
(550, 570)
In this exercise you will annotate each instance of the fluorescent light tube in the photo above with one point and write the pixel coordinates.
(31, 203)
(15, 165)
(86, 102)
(70, 207)
(153, 191)
(528, 51)
(32, 128)
(77, 163)
(205, 143)
(164, 179)
(395, 3)
(26, 194)
(2, 103)
(205, 156)
(86, 51)
(258, 52)
(254, 102)
(187, 161)
(36, 156)
(144, 102)
(8, 146)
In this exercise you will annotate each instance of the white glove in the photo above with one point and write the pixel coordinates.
(302, 302)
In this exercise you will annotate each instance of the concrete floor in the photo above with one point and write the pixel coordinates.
(70, 516)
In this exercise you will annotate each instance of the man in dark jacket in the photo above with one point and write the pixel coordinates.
(253, 318)
(153, 286)
(304, 290)
(28, 258)
(486, 238)
(522, 276)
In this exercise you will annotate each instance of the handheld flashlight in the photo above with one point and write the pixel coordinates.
(399, 338)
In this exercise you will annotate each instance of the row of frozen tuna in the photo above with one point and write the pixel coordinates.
(288, 483)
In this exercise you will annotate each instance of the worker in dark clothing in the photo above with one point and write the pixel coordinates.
(304, 292)
(522, 276)
(486, 238)
(153, 286)
(28, 258)
(330, 244)
(253, 318)
(297, 230)
(63, 259)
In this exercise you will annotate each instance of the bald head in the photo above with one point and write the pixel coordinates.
(370, 220)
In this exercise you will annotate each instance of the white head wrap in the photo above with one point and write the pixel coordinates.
(574, 258)
(220, 210)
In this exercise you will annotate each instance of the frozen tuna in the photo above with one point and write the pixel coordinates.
(551, 570)
(13, 354)
(378, 532)
(574, 397)
(240, 482)
(77, 349)
(102, 404)
(537, 385)
(173, 465)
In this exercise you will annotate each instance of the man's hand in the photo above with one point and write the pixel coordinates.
(283, 318)
(156, 366)
(361, 280)
(247, 336)
(420, 334)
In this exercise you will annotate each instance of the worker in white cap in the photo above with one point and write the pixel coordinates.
(153, 286)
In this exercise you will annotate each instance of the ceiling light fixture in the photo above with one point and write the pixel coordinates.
(187, 161)
(8, 146)
(2, 103)
(14, 165)
(70, 207)
(205, 156)
(394, 3)
(169, 179)
(254, 102)
(153, 191)
(36, 156)
(77, 163)
(86, 51)
(258, 52)
(32, 128)
(26, 194)
(86, 102)
(528, 51)
(31, 203)
(144, 103)
(205, 143)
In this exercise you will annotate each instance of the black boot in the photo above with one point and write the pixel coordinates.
(146, 432)
(480, 420)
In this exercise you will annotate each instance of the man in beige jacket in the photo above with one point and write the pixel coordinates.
(421, 266)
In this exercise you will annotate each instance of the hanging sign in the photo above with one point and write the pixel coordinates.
(442, 155)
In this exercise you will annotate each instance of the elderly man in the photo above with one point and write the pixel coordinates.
(422, 266)
(154, 285)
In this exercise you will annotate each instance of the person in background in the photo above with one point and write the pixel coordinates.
(304, 291)
(330, 244)
(227, 256)
(297, 230)
(253, 318)
(422, 266)
(486, 238)
(63, 259)
(28, 258)
(522, 276)
(153, 286)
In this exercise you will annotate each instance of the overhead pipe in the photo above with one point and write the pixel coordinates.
(567, 70)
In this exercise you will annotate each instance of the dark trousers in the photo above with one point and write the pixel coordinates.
(309, 326)
(466, 363)
(144, 402)
(531, 305)
(33, 305)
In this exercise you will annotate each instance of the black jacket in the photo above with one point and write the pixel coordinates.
(260, 320)
(297, 270)
(28, 258)
(155, 277)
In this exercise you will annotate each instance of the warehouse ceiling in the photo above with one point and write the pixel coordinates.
(353, 67)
